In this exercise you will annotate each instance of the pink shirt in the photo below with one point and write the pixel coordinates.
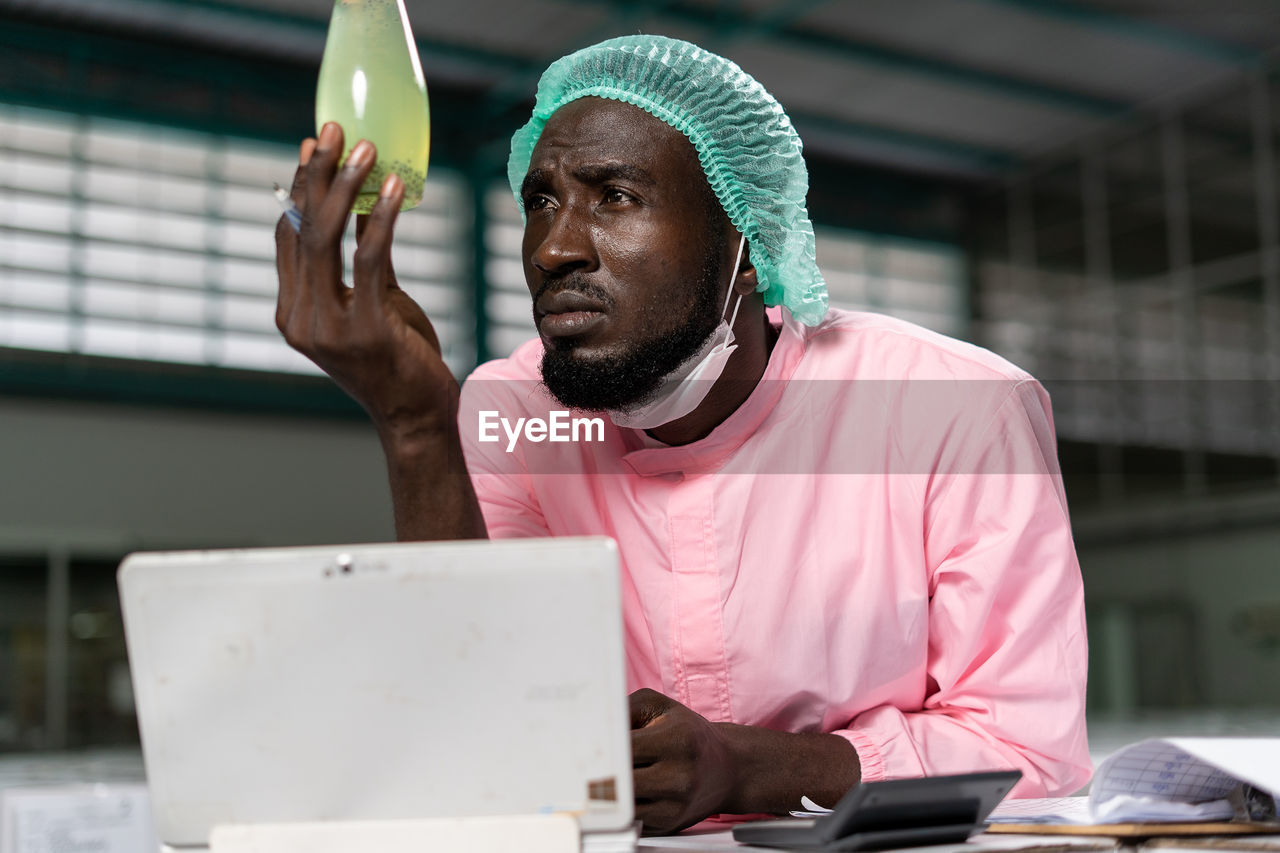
(875, 544)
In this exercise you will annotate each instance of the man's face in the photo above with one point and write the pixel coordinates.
(623, 248)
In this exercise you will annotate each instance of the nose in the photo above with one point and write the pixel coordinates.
(560, 243)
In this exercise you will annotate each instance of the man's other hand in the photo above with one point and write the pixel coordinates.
(372, 338)
(687, 768)
(683, 769)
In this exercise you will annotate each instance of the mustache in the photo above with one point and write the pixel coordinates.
(574, 283)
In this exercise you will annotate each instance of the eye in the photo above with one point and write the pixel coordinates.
(613, 195)
(536, 201)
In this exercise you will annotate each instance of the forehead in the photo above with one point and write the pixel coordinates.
(599, 130)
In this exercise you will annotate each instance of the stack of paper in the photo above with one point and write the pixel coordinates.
(622, 841)
(1161, 781)
(105, 818)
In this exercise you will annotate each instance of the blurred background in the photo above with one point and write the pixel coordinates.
(1088, 187)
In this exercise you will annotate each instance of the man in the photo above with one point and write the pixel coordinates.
(845, 548)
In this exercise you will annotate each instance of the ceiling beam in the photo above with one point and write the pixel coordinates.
(300, 39)
(518, 87)
(235, 28)
(1132, 27)
(784, 14)
(782, 30)
(962, 156)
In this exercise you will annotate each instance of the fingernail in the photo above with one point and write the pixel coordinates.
(304, 153)
(359, 154)
(391, 185)
(328, 135)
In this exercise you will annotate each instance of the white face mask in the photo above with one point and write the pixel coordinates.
(684, 388)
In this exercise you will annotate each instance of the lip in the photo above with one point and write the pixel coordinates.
(567, 313)
(568, 323)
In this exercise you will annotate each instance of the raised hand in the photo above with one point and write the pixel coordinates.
(372, 338)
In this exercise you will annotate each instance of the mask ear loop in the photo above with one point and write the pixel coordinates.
(741, 245)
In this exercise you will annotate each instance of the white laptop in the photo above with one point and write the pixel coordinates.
(378, 682)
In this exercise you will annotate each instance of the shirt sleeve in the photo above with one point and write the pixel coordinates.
(1007, 651)
(499, 475)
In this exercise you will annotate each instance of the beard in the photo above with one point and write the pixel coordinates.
(632, 377)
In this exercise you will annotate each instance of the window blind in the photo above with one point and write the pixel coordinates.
(919, 282)
(137, 241)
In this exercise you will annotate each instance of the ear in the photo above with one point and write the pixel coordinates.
(746, 280)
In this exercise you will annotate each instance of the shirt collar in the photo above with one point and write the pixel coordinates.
(711, 452)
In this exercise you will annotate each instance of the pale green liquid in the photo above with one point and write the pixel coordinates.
(371, 83)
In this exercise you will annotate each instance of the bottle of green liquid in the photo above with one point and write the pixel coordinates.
(371, 84)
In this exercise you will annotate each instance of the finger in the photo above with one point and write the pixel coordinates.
(658, 782)
(320, 169)
(298, 192)
(321, 296)
(331, 218)
(372, 260)
(658, 817)
(286, 271)
(287, 240)
(362, 223)
(648, 814)
(652, 744)
(646, 706)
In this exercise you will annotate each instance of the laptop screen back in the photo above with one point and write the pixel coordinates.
(379, 682)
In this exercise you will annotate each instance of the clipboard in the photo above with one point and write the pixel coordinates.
(1142, 830)
(1230, 774)
(1235, 842)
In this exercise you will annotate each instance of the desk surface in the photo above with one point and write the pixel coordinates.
(125, 765)
(719, 840)
(712, 841)
(722, 840)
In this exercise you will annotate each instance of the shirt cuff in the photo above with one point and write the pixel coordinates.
(869, 756)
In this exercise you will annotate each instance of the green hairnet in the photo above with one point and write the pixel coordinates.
(745, 142)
